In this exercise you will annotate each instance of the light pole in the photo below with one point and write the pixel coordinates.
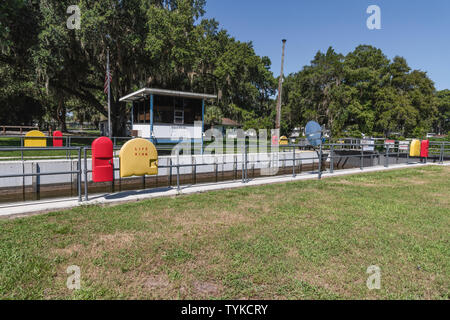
(280, 89)
(109, 95)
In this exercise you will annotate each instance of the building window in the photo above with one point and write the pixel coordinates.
(192, 110)
(163, 109)
(141, 112)
(168, 110)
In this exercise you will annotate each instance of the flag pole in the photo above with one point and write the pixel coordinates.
(280, 89)
(109, 94)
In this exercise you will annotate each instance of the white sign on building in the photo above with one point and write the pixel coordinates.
(368, 144)
(403, 145)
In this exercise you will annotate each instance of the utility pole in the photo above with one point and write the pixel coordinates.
(280, 89)
(109, 95)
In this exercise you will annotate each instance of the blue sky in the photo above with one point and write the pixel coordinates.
(418, 30)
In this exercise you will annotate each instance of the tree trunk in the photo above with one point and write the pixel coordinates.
(119, 117)
(61, 115)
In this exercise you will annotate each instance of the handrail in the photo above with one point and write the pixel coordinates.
(243, 158)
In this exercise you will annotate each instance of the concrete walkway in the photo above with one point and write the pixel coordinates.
(35, 207)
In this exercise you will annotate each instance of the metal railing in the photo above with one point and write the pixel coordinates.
(330, 154)
(38, 174)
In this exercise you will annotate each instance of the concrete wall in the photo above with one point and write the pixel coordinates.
(226, 162)
(352, 159)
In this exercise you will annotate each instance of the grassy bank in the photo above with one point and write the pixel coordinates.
(302, 240)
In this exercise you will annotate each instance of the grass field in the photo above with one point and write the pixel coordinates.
(302, 240)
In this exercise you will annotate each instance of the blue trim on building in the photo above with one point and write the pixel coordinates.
(151, 117)
(203, 121)
(132, 115)
(154, 139)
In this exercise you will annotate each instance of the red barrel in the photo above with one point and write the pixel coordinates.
(57, 139)
(102, 160)
(275, 140)
(424, 148)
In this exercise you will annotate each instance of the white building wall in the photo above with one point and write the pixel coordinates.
(169, 131)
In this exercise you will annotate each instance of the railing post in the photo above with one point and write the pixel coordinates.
(67, 151)
(21, 145)
(331, 158)
(293, 161)
(35, 180)
(86, 198)
(178, 171)
(386, 161)
(23, 181)
(246, 162)
(407, 153)
(300, 166)
(216, 169)
(253, 170)
(235, 167)
(361, 161)
(120, 178)
(442, 153)
(170, 171)
(79, 175)
(243, 163)
(70, 151)
(320, 163)
(194, 170)
(113, 184)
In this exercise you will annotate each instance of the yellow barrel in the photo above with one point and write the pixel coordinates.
(414, 150)
(35, 142)
(138, 157)
(284, 141)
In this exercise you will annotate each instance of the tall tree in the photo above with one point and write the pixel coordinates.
(152, 43)
(442, 124)
(363, 92)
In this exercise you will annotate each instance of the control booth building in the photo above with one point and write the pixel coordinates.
(166, 116)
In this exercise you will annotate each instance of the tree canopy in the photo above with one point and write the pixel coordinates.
(163, 44)
(47, 70)
(362, 92)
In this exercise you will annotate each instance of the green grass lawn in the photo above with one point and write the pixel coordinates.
(302, 240)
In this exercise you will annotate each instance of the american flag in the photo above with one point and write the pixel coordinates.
(107, 83)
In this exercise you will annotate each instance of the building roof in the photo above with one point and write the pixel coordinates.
(229, 122)
(144, 92)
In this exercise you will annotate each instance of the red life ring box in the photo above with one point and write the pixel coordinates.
(424, 148)
(102, 160)
(57, 139)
